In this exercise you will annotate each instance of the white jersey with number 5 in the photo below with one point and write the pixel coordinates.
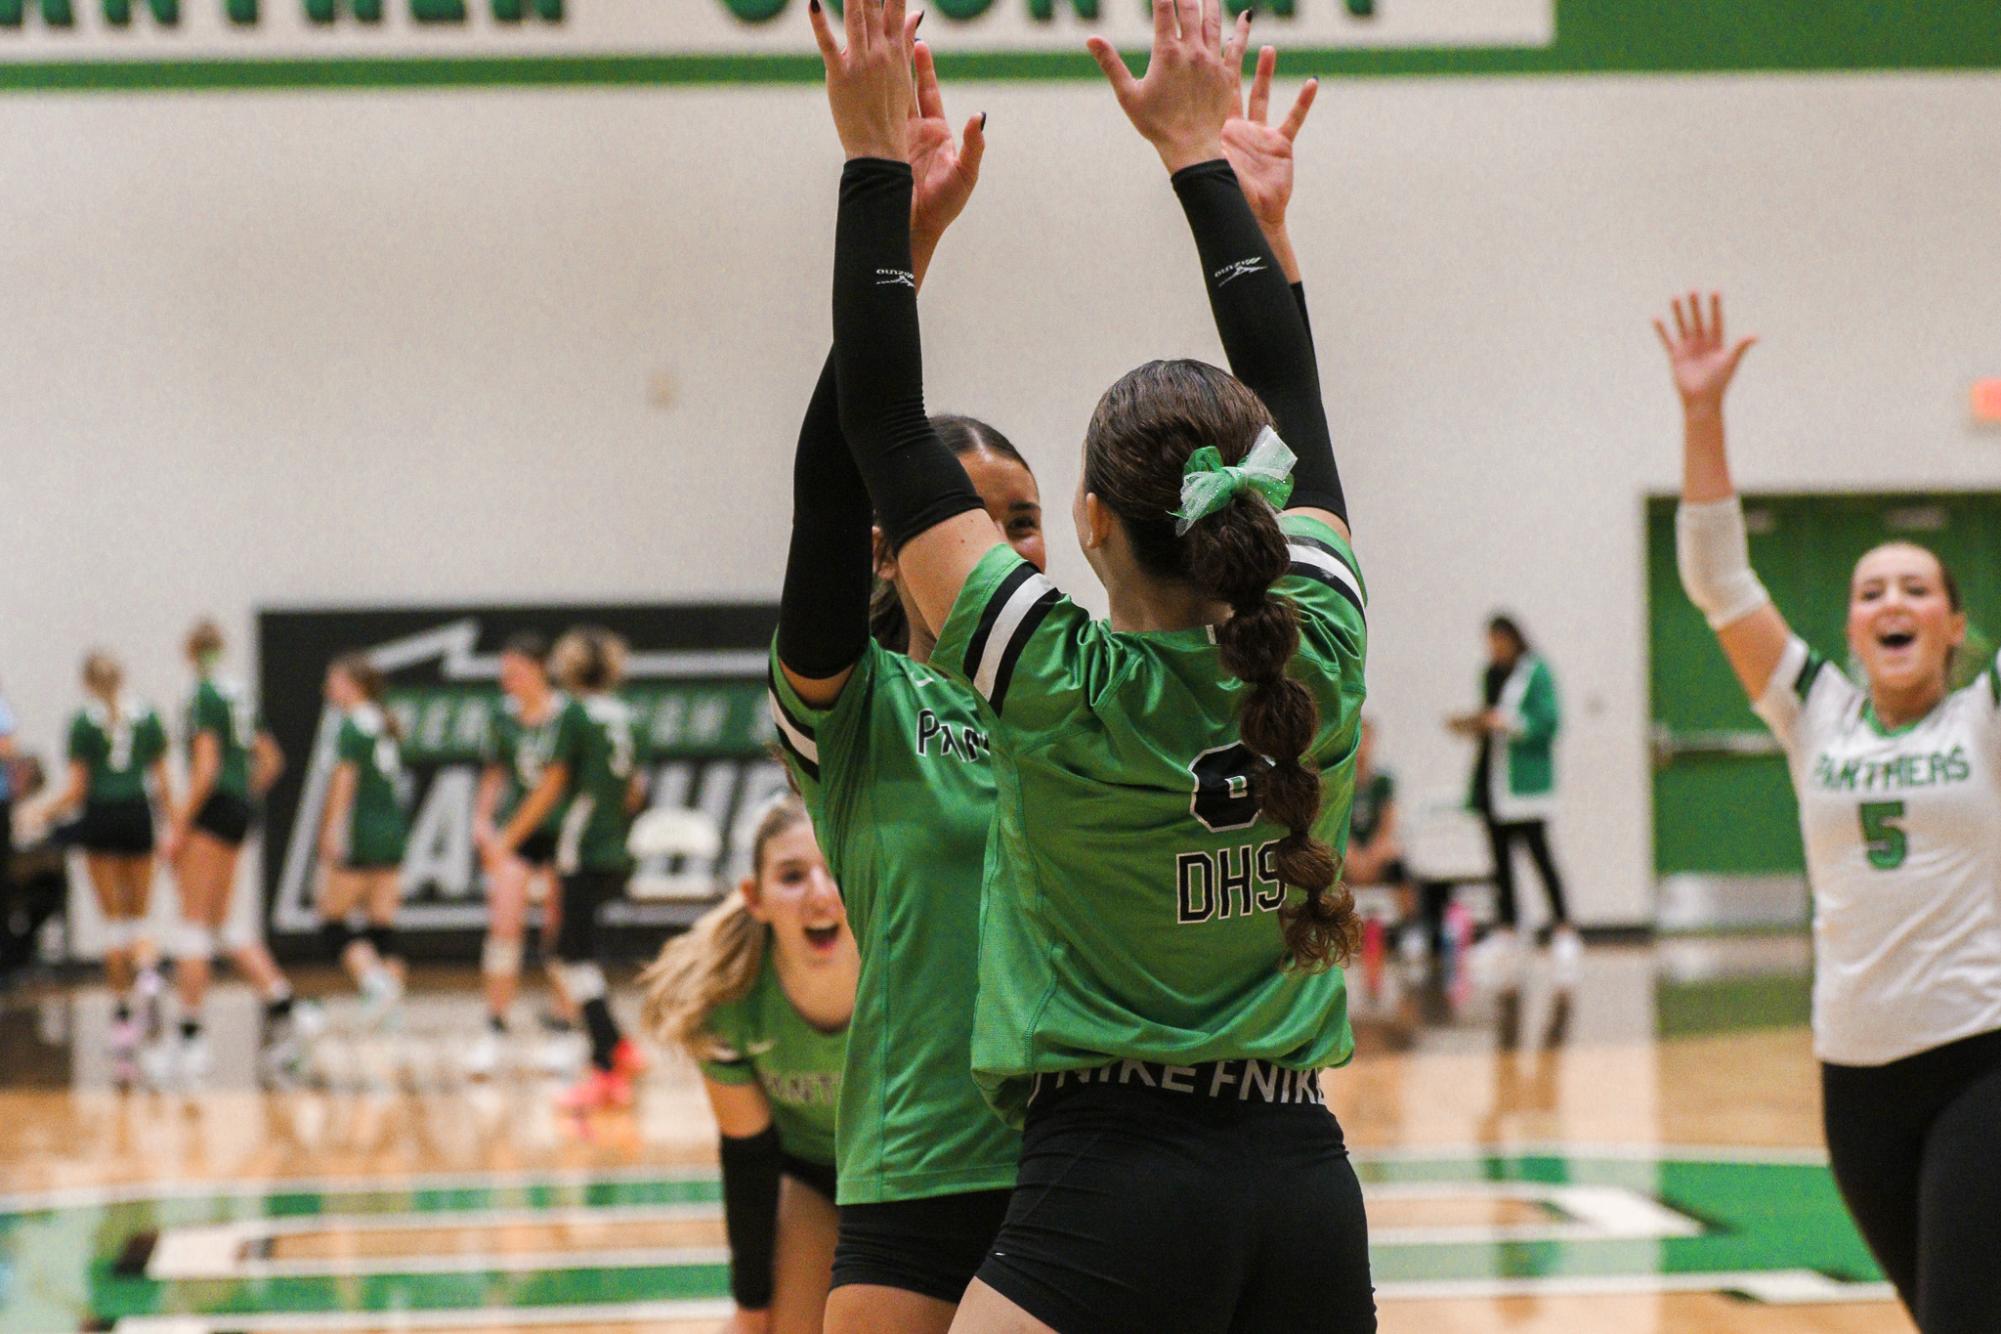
(1903, 850)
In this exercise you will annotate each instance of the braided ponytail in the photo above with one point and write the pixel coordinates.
(1145, 428)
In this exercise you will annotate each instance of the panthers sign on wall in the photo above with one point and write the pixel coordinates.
(696, 679)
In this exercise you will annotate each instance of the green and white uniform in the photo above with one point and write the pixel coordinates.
(225, 710)
(116, 752)
(1903, 849)
(766, 1041)
(898, 778)
(598, 742)
(1520, 768)
(522, 750)
(377, 827)
(1131, 900)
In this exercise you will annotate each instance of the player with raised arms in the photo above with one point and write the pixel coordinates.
(232, 762)
(117, 772)
(519, 743)
(893, 761)
(1898, 772)
(760, 992)
(363, 834)
(593, 772)
(1162, 910)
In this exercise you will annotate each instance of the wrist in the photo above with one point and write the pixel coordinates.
(1180, 152)
(1703, 411)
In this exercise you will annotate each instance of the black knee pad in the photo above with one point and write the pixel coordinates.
(383, 938)
(336, 935)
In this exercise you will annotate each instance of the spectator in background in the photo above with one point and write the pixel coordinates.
(1514, 783)
(1375, 844)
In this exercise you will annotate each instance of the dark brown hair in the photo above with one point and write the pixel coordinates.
(1139, 441)
(887, 624)
(368, 679)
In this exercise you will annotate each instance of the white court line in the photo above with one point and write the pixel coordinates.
(227, 1250)
(1594, 1213)
(141, 1192)
(492, 1317)
(1777, 1287)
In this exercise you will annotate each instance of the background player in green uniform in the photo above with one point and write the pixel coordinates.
(760, 993)
(116, 744)
(894, 765)
(363, 833)
(518, 747)
(232, 761)
(1162, 907)
(594, 767)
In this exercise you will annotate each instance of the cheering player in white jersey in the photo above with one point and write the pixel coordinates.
(1899, 783)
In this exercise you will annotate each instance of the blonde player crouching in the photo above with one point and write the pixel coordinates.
(760, 993)
(1899, 782)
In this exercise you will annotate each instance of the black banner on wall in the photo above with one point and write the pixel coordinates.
(696, 679)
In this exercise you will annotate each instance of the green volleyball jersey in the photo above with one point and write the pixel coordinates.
(377, 828)
(766, 1041)
(899, 780)
(522, 750)
(598, 742)
(1372, 802)
(1131, 903)
(116, 752)
(224, 709)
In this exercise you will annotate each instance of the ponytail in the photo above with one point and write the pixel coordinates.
(374, 686)
(716, 962)
(1235, 557)
(1145, 428)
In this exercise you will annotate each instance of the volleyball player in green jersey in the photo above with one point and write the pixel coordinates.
(116, 745)
(232, 762)
(594, 767)
(363, 834)
(760, 992)
(893, 763)
(518, 745)
(1162, 909)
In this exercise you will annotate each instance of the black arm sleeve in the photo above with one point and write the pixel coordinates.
(750, 1214)
(913, 479)
(1263, 326)
(823, 611)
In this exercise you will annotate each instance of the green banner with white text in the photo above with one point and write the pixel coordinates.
(60, 45)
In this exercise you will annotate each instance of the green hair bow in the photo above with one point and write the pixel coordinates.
(1208, 483)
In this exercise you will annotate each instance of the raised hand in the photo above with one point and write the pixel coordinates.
(1262, 154)
(870, 85)
(946, 169)
(1188, 91)
(1702, 359)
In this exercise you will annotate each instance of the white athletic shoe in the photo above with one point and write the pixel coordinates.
(192, 1059)
(563, 1052)
(1566, 953)
(482, 1058)
(380, 995)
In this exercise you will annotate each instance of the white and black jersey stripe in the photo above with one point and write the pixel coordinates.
(793, 734)
(1320, 561)
(1008, 623)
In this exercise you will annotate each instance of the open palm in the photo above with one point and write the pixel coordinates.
(1702, 360)
(946, 168)
(1262, 154)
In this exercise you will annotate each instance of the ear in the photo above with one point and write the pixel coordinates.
(885, 559)
(1957, 633)
(751, 899)
(1096, 529)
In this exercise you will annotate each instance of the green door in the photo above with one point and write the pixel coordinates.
(1722, 801)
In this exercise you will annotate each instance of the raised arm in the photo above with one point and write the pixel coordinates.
(823, 611)
(1712, 547)
(929, 512)
(1190, 94)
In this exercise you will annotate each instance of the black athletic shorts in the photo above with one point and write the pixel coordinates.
(538, 849)
(228, 818)
(1204, 1200)
(932, 1246)
(116, 828)
(820, 1177)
